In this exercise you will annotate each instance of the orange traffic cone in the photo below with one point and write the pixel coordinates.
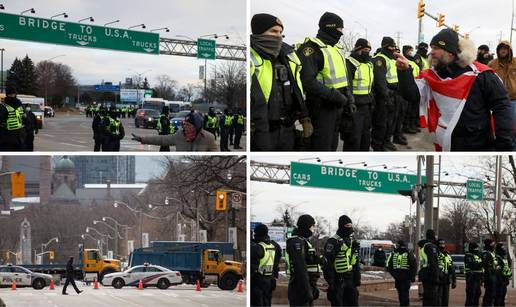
(52, 286)
(240, 286)
(198, 287)
(95, 284)
(14, 285)
(140, 285)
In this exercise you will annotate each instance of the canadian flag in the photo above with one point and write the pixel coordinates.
(442, 102)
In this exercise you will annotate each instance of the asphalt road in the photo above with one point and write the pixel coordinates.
(182, 295)
(72, 132)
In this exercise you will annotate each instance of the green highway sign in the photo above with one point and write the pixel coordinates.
(206, 49)
(76, 34)
(474, 190)
(342, 178)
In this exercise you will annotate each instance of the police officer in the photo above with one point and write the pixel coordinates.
(379, 257)
(114, 131)
(490, 264)
(12, 132)
(473, 268)
(277, 99)
(411, 116)
(165, 126)
(384, 118)
(70, 277)
(99, 124)
(226, 121)
(446, 274)
(402, 265)
(31, 127)
(325, 82)
(429, 268)
(356, 127)
(342, 269)
(302, 264)
(211, 122)
(421, 57)
(265, 258)
(238, 124)
(504, 274)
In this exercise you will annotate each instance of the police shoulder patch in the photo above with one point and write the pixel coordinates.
(308, 51)
(329, 247)
(379, 63)
(298, 246)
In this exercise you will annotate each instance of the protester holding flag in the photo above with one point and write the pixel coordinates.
(462, 102)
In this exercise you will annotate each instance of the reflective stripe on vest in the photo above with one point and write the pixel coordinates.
(343, 259)
(228, 120)
(310, 267)
(333, 74)
(363, 78)
(14, 118)
(478, 261)
(171, 128)
(506, 268)
(240, 120)
(423, 257)
(425, 63)
(265, 267)
(415, 68)
(114, 126)
(392, 73)
(212, 121)
(264, 73)
(400, 261)
(445, 262)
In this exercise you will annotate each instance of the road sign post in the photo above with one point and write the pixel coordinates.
(342, 178)
(59, 32)
(474, 190)
(206, 49)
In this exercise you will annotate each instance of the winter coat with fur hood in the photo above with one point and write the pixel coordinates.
(506, 69)
(487, 97)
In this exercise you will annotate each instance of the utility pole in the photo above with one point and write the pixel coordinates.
(398, 39)
(429, 203)
(498, 194)
(418, 205)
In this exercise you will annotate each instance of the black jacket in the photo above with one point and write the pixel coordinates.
(398, 274)
(431, 272)
(69, 269)
(473, 130)
(257, 253)
(470, 264)
(331, 249)
(297, 248)
(382, 90)
(450, 277)
(30, 123)
(359, 99)
(14, 103)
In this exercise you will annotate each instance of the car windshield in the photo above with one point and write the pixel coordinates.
(182, 114)
(17, 269)
(151, 113)
(458, 258)
(33, 107)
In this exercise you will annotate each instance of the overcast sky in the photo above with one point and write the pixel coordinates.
(385, 18)
(374, 209)
(192, 18)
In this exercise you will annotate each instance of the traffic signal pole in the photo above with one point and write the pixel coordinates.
(418, 204)
(429, 201)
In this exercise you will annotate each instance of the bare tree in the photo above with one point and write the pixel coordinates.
(229, 84)
(165, 87)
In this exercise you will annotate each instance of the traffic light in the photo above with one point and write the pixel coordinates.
(456, 28)
(51, 255)
(18, 184)
(221, 203)
(420, 9)
(440, 20)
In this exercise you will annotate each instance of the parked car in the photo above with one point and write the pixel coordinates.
(458, 263)
(49, 112)
(147, 118)
(38, 112)
(150, 275)
(23, 277)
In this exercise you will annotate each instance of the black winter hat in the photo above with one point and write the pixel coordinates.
(305, 221)
(9, 90)
(343, 220)
(361, 44)
(388, 42)
(448, 40)
(195, 119)
(263, 22)
(484, 47)
(472, 246)
(430, 235)
(401, 243)
(422, 45)
(261, 230)
(330, 21)
(406, 48)
(488, 242)
(500, 249)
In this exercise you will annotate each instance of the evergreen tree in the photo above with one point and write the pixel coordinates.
(14, 74)
(28, 77)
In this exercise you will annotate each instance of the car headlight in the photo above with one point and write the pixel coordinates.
(39, 116)
(150, 119)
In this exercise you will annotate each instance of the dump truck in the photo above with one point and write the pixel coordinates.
(90, 261)
(194, 260)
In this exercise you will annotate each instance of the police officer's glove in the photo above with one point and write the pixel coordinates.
(338, 99)
(352, 108)
(308, 129)
(315, 293)
(453, 285)
(273, 284)
(136, 138)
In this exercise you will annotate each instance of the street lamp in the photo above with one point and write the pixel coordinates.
(2, 7)
(138, 26)
(62, 14)
(355, 163)
(316, 159)
(99, 242)
(138, 83)
(166, 29)
(329, 161)
(377, 165)
(133, 211)
(44, 245)
(90, 18)
(215, 36)
(112, 22)
(31, 10)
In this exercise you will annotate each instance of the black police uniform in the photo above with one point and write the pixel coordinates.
(403, 277)
(429, 275)
(165, 129)
(490, 267)
(99, 124)
(112, 134)
(212, 128)
(503, 276)
(263, 286)
(224, 131)
(445, 279)
(31, 127)
(239, 128)
(70, 278)
(11, 140)
(474, 274)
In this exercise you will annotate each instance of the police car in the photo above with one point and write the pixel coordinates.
(150, 275)
(23, 277)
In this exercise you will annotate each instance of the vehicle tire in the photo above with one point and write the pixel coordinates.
(38, 284)
(228, 281)
(163, 283)
(118, 283)
(106, 271)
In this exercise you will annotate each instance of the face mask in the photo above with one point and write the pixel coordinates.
(312, 229)
(364, 57)
(411, 54)
(189, 131)
(348, 231)
(423, 52)
(267, 44)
